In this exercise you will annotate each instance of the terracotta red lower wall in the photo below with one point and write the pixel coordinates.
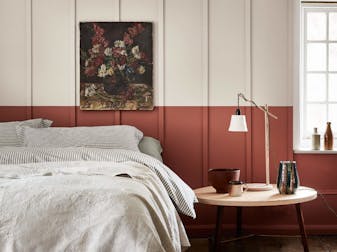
(196, 139)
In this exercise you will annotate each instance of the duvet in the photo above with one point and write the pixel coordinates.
(79, 199)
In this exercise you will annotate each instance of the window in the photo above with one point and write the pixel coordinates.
(318, 70)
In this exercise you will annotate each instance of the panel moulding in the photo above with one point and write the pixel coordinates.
(161, 71)
(73, 112)
(29, 87)
(205, 90)
(117, 12)
(248, 86)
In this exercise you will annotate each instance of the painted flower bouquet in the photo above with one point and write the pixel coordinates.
(119, 57)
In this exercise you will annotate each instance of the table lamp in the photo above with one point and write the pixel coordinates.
(238, 124)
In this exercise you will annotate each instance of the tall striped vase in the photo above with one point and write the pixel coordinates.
(287, 179)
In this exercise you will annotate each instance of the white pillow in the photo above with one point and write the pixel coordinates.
(8, 130)
(112, 137)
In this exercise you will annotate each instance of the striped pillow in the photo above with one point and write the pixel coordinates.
(111, 137)
(9, 135)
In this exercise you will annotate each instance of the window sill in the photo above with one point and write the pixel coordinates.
(320, 152)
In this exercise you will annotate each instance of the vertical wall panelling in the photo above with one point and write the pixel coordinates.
(227, 51)
(248, 86)
(13, 71)
(77, 61)
(97, 10)
(290, 72)
(117, 117)
(184, 69)
(29, 59)
(205, 88)
(290, 51)
(73, 87)
(161, 71)
(53, 37)
(295, 58)
(53, 76)
(270, 77)
(117, 16)
(183, 57)
(248, 47)
(146, 10)
(269, 34)
(151, 11)
(117, 10)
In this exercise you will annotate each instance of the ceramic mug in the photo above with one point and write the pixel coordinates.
(236, 188)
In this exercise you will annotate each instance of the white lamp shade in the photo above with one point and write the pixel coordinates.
(238, 124)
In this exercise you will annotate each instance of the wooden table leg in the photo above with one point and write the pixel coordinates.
(238, 221)
(217, 236)
(301, 226)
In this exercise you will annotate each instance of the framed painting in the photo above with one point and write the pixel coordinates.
(116, 66)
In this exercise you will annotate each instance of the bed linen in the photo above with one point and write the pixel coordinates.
(110, 137)
(8, 130)
(87, 199)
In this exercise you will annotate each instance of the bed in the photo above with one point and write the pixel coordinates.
(61, 196)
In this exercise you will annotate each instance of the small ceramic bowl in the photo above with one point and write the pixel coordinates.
(219, 178)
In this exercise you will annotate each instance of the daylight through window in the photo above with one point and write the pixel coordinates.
(318, 89)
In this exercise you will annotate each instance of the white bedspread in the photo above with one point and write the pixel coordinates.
(84, 206)
(180, 193)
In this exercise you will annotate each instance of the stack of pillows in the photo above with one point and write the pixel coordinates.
(8, 130)
(38, 133)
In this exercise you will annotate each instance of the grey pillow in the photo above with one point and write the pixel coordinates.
(8, 130)
(112, 137)
(151, 146)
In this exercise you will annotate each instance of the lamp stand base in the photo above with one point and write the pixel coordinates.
(259, 187)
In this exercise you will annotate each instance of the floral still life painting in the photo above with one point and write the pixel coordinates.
(116, 65)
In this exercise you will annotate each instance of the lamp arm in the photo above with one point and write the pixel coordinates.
(259, 107)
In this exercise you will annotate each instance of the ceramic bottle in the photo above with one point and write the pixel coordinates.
(316, 140)
(328, 137)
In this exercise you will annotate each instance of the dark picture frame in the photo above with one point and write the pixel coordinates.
(116, 66)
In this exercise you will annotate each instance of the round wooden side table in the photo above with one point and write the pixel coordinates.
(207, 195)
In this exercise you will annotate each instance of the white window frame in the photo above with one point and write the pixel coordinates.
(302, 141)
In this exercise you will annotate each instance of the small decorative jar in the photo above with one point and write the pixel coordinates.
(287, 180)
(316, 140)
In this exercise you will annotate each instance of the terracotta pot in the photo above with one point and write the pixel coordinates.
(219, 178)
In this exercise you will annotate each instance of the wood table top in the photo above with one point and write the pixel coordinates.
(207, 195)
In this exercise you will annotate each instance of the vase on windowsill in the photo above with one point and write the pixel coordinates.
(316, 140)
(328, 137)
